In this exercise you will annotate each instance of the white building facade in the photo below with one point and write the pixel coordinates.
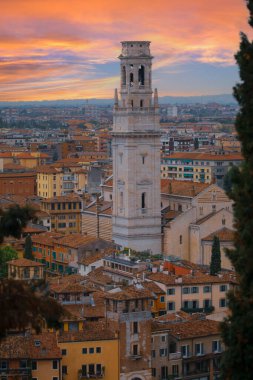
(136, 153)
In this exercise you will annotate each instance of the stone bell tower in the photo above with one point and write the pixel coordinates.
(136, 153)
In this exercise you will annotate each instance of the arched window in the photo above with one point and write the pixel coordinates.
(131, 79)
(123, 75)
(141, 75)
(143, 200)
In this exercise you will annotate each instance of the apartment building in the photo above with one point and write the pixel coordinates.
(195, 292)
(90, 353)
(29, 356)
(128, 311)
(186, 348)
(24, 269)
(65, 212)
(57, 180)
(61, 253)
(198, 167)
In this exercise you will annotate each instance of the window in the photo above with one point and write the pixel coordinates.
(199, 349)
(213, 208)
(3, 364)
(123, 75)
(185, 351)
(143, 159)
(143, 200)
(172, 347)
(222, 302)
(207, 303)
(223, 288)
(131, 79)
(84, 350)
(141, 103)
(163, 338)
(135, 327)
(216, 346)
(186, 290)
(163, 351)
(34, 365)
(55, 364)
(170, 306)
(55, 378)
(23, 363)
(135, 349)
(162, 299)
(153, 370)
(98, 350)
(153, 353)
(180, 239)
(175, 369)
(84, 370)
(121, 200)
(91, 350)
(195, 289)
(164, 372)
(207, 289)
(171, 291)
(141, 75)
(64, 370)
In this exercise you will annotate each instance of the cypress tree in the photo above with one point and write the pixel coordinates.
(237, 329)
(28, 248)
(215, 265)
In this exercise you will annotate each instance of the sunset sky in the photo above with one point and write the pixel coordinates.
(59, 49)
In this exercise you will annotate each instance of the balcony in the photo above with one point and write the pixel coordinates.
(175, 356)
(90, 375)
(135, 356)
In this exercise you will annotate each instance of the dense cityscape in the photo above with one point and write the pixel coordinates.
(126, 203)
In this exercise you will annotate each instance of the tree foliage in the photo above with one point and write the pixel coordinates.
(6, 254)
(26, 305)
(28, 248)
(215, 265)
(237, 330)
(13, 220)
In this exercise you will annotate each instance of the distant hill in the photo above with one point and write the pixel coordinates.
(222, 99)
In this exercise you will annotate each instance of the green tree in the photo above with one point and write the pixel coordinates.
(22, 304)
(14, 219)
(215, 265)
(28, 248)
(237, 329)
(6, 254)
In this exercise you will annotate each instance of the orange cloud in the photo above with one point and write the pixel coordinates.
(47, 48)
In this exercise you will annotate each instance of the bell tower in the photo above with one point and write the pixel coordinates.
(136, 153)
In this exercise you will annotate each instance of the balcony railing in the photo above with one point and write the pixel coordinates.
(90, 375)
(175, 356)
(135, 356)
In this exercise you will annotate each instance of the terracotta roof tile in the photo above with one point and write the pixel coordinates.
(92, 331)
(42, 346)
(224, 234)
(22, 262)
(189, 329)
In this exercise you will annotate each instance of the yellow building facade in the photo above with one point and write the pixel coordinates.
(91, 353)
